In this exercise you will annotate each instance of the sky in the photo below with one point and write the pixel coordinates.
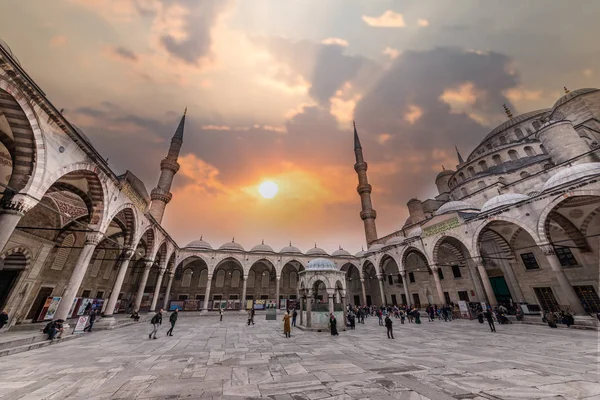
(272, 88)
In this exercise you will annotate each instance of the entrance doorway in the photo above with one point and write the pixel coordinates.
(500, 289)
(7, 279)
(38, 303)
(356, 300)
(369, 302)
(417, 300)
(394, 301)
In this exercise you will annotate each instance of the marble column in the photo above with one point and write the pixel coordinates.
(380, 280)
(308, 311)
(331, 303)
(438, 286)
(487, 285)
(11, 212)
(345, 309)
(301, 299)
(244, 286)
(405, 285)
(159, 278)
(567, 290)
(364, 291)
(277, 279)
(171, 275)
(207, 293)
(479, 292)
(114, 296)
(142, 285)
(514, 282)
(91, 241)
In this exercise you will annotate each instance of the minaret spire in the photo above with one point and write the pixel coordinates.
(169, 166)
(367, 214)
(460, 159)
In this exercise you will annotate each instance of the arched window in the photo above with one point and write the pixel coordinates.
(483, 165)
(186, 281)
(235, 278)
(203, 279)
(481, 185)
(502, 140)
(524, 174)
(488, 146)
(519, 133)
(265, 279)
(461, 176)
(497, 159)
(464, 192)
(250, 282)
(220, 278)
(471, 171)
(63, 253)
(97, 263)
(513, 155)
(536, 125)
(293, 279)
(529, 151)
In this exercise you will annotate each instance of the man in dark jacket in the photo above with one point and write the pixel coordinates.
(489, 315)
(172, 320)
(294, 316)
(91, 320)
(156, 322)
(388, 325)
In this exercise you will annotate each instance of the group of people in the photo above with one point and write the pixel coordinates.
(156, 322)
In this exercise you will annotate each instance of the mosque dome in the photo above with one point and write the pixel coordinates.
(199, 244)
(571, 174)
(262, 248)
(290, 249)
(572, 95)
(341, 253)
(374, 248)
(444, 172)
(395, 240)
(232, 246)
(321, 264)
(503, 200)
(415, 232)
(453, 206)
(316, 251)
(8, 50)
(360, 253)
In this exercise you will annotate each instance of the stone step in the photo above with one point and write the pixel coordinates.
(21, 340)
(34, 345)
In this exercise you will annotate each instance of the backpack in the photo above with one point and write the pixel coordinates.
(47, 328)
(154, 320)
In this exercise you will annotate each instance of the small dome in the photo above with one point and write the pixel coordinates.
(341, 253)
(503, 200)
(445, 172)
(316, 251)
(453, 206)
(232, 246)
(374, 248)
(320, 264)
(571, 174)
(572, 95)
(199, 244)
(415, 232)
(262, 248)
(290, 249)
(360, 253)
(395, 240)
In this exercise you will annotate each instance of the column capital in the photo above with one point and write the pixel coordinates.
(18, 204)
(149, 263)
(403, 273)
(362, 280)
(93, 238)
(161, 271)
(128, 252)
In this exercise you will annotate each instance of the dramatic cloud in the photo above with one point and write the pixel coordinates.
(336, 41)
(391, 52)
(125, 54)
(389, 19)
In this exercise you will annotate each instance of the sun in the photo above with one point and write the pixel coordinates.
(268, 189)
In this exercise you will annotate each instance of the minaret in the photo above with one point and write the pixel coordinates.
(168, 168)
(367, 214)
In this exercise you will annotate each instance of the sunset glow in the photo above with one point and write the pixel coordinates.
(268, 189)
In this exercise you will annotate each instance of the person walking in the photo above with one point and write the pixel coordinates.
(287, 329)
(221, 313)
(91, 320)
(156, 322)
(388, 325)
(249, 316)
(252, 314)
(489, 315)
(551, 319)
(380, 316)
(333, 325)
(402, 316)
(417, 316)
(173, 320)
(294, 316)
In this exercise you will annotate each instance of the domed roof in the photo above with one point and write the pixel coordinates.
(290, 249)
(443, 173)
(320, 264)
(360, 253)
(316, 251)
(374, 248)
(395, 240)
(572, 95)
(415, 232)
(513, 121)
(453, 206)
(232, 246)
(263, 248)
(341, 253)
(571, 174)
(503, 200)
(199, 244)
(7, 49)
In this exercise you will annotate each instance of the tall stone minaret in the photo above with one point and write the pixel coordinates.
(169, 166)
(367, 214)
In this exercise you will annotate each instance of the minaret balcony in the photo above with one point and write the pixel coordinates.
(365, 188)
(170, 165)
(368, 214)
(361, 166)
(160, 195)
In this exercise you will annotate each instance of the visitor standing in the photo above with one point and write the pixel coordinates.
(417, 314)
(249, 316)
(401, 313)
(252, 314)
(380, 316)
(489, 315)
(388, 325)
(294, 316)
(156, 322)
(91, 320)
(333, 325)
(173, 320)
(287, 329)
(221, 313)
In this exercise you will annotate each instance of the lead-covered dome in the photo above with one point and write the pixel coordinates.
(341, 253)
(316, 251)
(374, 248)
(199, 245)
(320, 264)
(453, 206)
(572, 95)
(290, 249)
(395, 240)
(444, 172)
(418, 231)
(571, 174)
(262, 248)
(503, 200)
(361, 253)
(232, 246)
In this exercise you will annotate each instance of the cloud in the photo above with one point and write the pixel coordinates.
(389, 19)
(391, 52)
(520, 93)
(216, 128)
(58, 41)
(335, 41)
(422, 22)
(123, 54)
(413, 115)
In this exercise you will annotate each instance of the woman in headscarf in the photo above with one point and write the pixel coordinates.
(333, 325)
(287, 328)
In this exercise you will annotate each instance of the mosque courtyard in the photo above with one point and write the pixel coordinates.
(230, 360)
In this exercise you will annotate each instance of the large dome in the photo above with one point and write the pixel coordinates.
(503, 200)
(512, 122)
(232, 246)
(443, 173)
(320, 264)
(571, 174)
(395, 240)
(262, 248)
(341, 253)
(453, 206)
(290, 249)
(316, 251)
(572, 95)
(199, 244)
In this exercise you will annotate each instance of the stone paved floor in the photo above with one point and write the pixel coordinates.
(211, 359)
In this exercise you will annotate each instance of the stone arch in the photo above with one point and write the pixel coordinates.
(179, 262)
(406, 251)
(17, 250)
(161, 252)
(491, 220)
(129, 214)
(147, 238)
(228, 258)
(456, 242)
